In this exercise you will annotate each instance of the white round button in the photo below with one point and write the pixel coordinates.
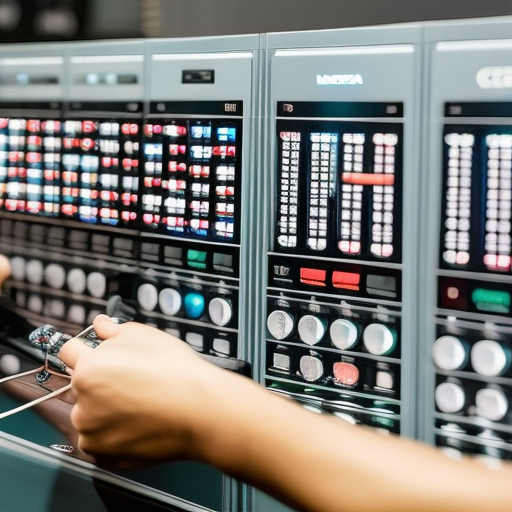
(77, 314)
(280, 324)
(220, 311)
(491, 403)
(10, 364)
(311, 329)
(378, 339)
(449, 353)
(169, 301)
(450, 397)
(97, 284)
(343, 334)
(18, 265)
(147, 296)
(489, 358)
(55, 276)
(311, 368)
(76, 281)
(35, 272)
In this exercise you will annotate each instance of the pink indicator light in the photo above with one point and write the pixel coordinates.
(361, 178)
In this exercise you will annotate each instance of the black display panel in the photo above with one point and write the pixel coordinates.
(192, 178)
(477, 198)
(82, 167)
(339, 185)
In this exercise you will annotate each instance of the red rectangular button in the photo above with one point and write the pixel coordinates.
(312, 276)
(346, 280)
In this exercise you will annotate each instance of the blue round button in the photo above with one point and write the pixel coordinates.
(194, 305)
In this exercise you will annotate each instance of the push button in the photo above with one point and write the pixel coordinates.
(491, 403)
(345, 374)
(169, 301)
(312, 276)
(223, 262)
(76, 281)
(450, 397)
(311, 329)
(382, 286)
(343, 334)
(55, 276)
(194, 305)
(489, 358)
(346, 280)
(450, 353)
(379, 339)
(147, 296)
(280, 324)
(173, 256)
(220, 311)
(196, 259)
(311, 368)
(97, 284)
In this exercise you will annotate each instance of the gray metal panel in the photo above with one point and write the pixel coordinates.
(389, 61)
(366, 35)
(466, 63)
(32, 72)
(106, 71)
(231, 58)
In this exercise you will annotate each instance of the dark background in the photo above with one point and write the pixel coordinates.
(41, 20)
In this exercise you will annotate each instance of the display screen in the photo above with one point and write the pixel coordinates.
(100, 176)
(338, 188)
(477, 198)
(86, 169)
(191, 178)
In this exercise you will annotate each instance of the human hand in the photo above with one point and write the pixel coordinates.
(141, 395)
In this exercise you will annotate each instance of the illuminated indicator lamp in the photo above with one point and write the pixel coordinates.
(312, 276)
(194, 305)
(494, 301)
(345, 374)
(346, 280)
(349, 247)
(497, 262)
(363, 178)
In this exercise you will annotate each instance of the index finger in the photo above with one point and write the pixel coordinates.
(71, 352)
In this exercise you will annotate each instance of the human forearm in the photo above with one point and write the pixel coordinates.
(322, 464)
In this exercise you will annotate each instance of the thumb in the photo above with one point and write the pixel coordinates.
(106, 327)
